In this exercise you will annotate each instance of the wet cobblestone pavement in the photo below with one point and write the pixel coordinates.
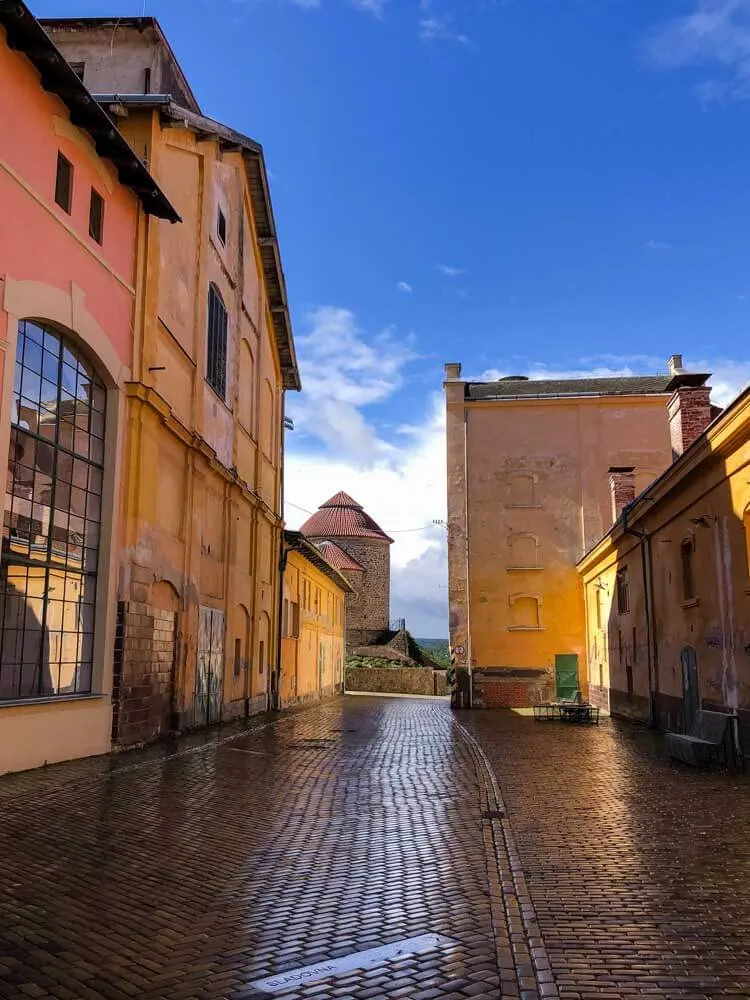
(638, 868)
(201, 871)
(194, 875)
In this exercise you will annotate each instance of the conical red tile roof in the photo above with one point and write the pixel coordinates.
(335, 555)
(342, 517)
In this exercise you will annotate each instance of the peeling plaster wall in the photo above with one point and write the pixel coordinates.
(536, 468)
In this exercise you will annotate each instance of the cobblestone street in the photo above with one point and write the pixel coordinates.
(221, 867)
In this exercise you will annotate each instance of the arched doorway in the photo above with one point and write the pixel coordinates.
(52, 518)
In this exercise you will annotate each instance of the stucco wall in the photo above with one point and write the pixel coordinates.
(528, 485)
(312, 664)
(396, 680)
(705, 509)
(368, 608)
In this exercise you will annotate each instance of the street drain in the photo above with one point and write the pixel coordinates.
(285, 981)
(493, 814)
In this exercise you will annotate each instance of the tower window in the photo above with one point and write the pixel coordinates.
(221, 228)
(216, 369)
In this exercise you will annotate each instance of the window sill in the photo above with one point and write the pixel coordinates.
(223, 401)
(524, 569)
(53, 699)
(526, 628)
(692, 602)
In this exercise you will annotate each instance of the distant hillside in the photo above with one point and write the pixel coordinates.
(435, 648)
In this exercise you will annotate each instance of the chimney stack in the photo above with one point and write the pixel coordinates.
(689, 416)
(452, 371)
(622, 488)
(675, 365)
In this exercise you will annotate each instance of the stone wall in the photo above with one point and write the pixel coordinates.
(368, 608)
(396, 680)
(143, 688)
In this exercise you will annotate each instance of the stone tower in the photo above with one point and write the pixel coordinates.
(364, 559)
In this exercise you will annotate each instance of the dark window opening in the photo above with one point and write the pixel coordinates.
(78, 68)
(237, 657)
(96, 216)
(635, 644)
(686, 554)
(64, 183)
(147, 80)
(623, 592)
(261, 656)
(619, 645)
(221, 228)
(216, 365)
(629, 675)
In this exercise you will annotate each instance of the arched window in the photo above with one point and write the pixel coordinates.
(50, 547)
(216, 357)
(524, 550)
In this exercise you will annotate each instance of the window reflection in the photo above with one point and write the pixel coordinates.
(52, 518)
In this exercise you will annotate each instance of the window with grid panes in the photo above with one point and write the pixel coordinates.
(52, 519)
(216, 360)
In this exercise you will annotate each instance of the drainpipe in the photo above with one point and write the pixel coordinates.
(276, 686)
(648, 582)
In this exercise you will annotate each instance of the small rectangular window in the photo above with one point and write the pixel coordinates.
(237, 657)
(221, 228)
(635, 644)
(295, 620)
(78, 68)
(96, 216)
(261, 656)
(216, 372)
(686, 553)
(64, 183)
(623, 591)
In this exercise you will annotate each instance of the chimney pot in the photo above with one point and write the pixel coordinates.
(675, 365)
(622, 488)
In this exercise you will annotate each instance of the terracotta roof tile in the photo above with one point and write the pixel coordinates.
(335, 555)
(342, 517)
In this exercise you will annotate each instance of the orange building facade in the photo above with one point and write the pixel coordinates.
(529, 466)
(68, 273)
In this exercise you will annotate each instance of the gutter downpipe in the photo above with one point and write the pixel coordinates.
(276, 687)
(468, 566)
(648, 581)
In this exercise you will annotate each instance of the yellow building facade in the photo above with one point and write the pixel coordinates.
(200, 547)
(667, 589)
(528, 494)
(313, 624)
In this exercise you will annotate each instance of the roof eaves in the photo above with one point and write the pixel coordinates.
(25, 34)
(296, 541)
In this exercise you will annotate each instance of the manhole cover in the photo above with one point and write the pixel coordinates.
(493, 814)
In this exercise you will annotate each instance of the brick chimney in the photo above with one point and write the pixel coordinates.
(689, 415)
(622, 488)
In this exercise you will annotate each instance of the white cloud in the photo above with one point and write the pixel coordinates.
(375, 7)
(404, 491)
(343, 371)
(657, 245)
(451, 272)
(404, 286)
(434, 27)
(714, 32)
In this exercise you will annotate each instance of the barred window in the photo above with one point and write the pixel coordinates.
(216, 364)
(52, 518)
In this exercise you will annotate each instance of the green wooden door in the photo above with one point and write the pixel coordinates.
(566, 675)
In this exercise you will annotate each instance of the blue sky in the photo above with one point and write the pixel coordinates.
(519, 185)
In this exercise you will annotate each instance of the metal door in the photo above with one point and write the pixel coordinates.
(566, 675)
(209, 674)
(691, 699)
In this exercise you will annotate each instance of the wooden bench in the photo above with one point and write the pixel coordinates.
(706, 737)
